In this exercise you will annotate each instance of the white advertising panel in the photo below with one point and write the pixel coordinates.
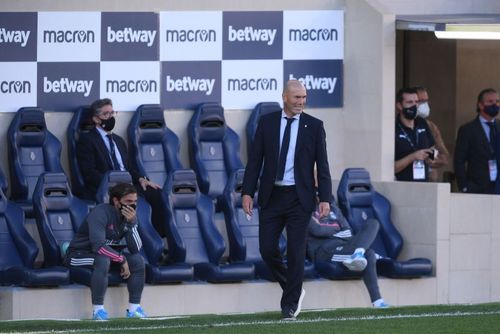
(18, 85)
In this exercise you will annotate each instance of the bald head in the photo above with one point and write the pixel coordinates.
(294, 97)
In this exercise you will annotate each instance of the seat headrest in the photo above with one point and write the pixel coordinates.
(264, 108)
(211, 121)
(184, 188)
(85, 123)
(54, 190)
(356, 185)
(150, 116)
(31, 119)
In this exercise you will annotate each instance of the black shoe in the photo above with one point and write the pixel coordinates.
(287, 315)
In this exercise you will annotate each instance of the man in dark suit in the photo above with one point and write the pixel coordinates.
(475, 161)
(100, 151)
(289, 144)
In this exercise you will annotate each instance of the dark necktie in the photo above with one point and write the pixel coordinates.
(284, 150)
(116, 164)
(493, 132)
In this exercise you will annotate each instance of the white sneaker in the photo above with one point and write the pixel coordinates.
(299, 304)
(357, 262)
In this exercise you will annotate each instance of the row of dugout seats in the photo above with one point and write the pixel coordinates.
(198, 246)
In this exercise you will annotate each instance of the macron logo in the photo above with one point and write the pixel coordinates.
(187, 84)
(311, 82)
(65, 85)
(129, 35)
(250, 34)
(14, 36)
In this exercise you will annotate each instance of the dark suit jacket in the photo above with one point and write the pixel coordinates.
(310, 149)
(472, 152)
(94, 159)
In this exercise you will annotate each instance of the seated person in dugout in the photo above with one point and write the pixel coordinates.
(330, 238)
(109, 238)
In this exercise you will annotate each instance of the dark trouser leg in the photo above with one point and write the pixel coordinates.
(158, 209)
(135, 283)
(99, 279)
(284, 209)
(370, 275)
(363, 239)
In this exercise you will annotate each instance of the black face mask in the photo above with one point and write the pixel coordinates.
(410, 113)
(491, 110)
(108, 124)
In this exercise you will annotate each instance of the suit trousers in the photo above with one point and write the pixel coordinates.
(284, 211)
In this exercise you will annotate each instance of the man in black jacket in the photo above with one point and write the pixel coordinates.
(100, 150)
(475, 160)
(98, 243)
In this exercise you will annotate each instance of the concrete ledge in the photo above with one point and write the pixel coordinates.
(73, 302)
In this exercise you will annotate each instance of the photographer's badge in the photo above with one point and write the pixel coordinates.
(418, 170)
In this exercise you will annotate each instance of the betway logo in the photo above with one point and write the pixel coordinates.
(65, 85)
(129, 35)
(190, 35)
(187, 84)
(17, 86)
(131, 86)
(303, 35)
(68, 36)
(14, 36)
(252, 84)
(250, 34)
(311, 82)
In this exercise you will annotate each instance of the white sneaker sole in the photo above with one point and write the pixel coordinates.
(299, 304)
(356, 264)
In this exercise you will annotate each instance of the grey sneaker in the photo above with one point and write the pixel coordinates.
(288, 315)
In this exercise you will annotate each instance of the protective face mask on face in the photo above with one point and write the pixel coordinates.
(410, 113)
(423, 110)
(492, 110)
(108, 124)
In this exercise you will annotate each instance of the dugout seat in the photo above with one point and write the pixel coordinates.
(243, 230)
(18, 252)
(359, 202)
(33, 150)
(260, 109)
(195, 238)
(154, 148)
(81, 122)
(3, 182)
(152, 243)
(214, 149)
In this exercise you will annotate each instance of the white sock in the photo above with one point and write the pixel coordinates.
(378, 302)
(97, 307)
(133, 307)
(359, 250)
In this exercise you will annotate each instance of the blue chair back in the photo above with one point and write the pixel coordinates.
(214, 149)
(359, 202)
(3, 182)
(154, 148)
(33, 150)
(58, 215)
(260, 109)
(81, 122)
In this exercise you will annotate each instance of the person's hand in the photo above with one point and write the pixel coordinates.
(422, 154)
(324, 209)
(247, 203)
(146, 183)
(124, 270)
(128, 212)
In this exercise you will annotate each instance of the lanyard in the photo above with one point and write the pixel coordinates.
(413, 146)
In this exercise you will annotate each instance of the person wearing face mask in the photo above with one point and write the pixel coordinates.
(100, 150)
(414, 144)
(475, 161)
(442, 154)
(108, 238)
